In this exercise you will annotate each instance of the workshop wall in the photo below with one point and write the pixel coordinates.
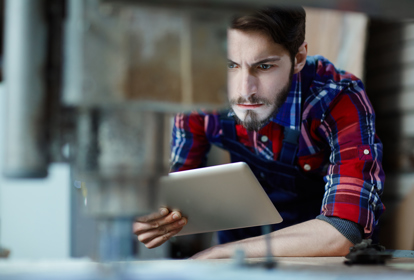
(338, 36)
(390, 86)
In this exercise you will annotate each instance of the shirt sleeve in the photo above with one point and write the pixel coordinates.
(355, 177)
(352, 231)
(189, 143)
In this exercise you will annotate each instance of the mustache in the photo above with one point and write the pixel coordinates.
(253, 99)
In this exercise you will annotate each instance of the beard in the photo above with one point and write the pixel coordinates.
(251, 121)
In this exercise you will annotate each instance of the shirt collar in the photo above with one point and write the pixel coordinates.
(289, 115)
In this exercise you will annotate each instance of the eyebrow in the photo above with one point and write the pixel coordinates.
(266, 60)
(231, 61)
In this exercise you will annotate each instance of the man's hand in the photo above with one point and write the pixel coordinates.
(156, 228)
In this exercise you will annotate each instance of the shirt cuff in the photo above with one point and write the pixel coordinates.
(352, 231)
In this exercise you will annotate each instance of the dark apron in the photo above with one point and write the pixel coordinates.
(297, 197)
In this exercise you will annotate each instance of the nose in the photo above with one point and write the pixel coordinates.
(247, 85)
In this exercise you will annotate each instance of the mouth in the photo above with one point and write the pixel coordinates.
(249, 106)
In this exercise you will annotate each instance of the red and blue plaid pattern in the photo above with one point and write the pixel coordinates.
(337, 140)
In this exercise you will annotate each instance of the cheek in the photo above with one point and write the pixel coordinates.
(273, 85)
(231, 86)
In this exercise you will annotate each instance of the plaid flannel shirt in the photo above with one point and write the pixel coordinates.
(337, 141)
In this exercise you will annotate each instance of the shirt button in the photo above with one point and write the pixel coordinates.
(307, 167)
(366, 152)
(264, 138)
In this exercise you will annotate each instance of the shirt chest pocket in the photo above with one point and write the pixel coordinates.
(315, 163)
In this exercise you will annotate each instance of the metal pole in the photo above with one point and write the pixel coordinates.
(25, 58)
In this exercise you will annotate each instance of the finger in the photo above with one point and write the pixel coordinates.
(153, 216)
(139, 227)
(170, 218)
(161, 239)
(149, 235)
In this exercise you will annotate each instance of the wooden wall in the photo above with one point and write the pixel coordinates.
(338, 36)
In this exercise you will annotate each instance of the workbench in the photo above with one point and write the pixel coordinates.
(286, 268)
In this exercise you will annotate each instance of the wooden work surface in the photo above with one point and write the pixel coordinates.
(332, 265)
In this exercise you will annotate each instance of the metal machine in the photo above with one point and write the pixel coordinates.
(92, 83)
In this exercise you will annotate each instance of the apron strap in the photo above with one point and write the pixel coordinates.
(290, 140)
(228, 126)
(289, 146)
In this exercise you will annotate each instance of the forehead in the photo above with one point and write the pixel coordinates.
(252, 45)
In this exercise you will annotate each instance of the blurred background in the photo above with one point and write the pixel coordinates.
(45, 218)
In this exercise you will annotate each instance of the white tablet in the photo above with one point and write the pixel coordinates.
(216, 198)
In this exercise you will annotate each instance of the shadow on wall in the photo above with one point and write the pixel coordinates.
(389, 84)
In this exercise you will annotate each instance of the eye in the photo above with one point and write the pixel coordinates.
(231, 65)
(265, 66)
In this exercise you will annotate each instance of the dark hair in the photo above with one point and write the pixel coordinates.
(286, 26)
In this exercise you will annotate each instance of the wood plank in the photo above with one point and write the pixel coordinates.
(401, 54)
(388, 34)
(398, 185)
(403, 124)
(397, 78)
(394, 102)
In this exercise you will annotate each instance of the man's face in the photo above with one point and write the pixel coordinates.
(259, 76)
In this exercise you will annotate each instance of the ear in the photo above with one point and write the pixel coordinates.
(300, 58)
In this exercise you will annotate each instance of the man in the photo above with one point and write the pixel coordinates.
(307, 131)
